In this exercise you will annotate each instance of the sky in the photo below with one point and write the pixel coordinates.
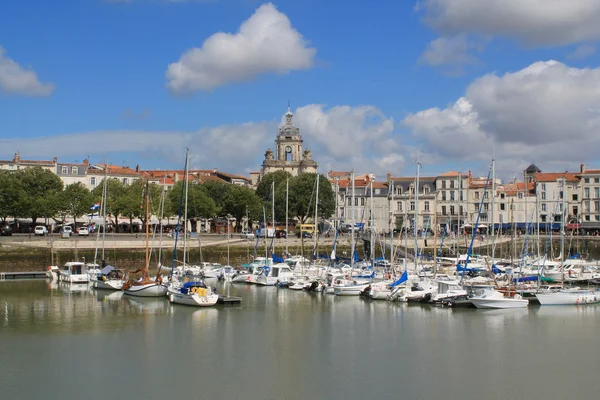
(376, 87)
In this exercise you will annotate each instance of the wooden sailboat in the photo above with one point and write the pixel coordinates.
(145, 287)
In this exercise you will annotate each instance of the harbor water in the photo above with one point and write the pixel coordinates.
(69, 342)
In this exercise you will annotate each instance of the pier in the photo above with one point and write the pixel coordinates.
(22, 275)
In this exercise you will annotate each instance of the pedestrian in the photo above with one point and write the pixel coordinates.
(29, 232)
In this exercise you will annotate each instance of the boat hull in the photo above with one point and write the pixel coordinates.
(349, 290)
(153, 289)
(499, 303)
(110, 284)
(565, 298)
(74, 278)
(193, 299)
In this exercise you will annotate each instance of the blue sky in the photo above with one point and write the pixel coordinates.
(373, 87)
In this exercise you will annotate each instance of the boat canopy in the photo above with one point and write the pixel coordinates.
(403, 278)
(107, 270)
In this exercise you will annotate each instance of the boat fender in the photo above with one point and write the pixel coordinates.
(387, 276)
(104, 278)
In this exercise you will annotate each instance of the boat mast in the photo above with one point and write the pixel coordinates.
(273, 216)
(162, 214)
(372, 239)
(416, 216)
(287, 189)
(185, 208)
(493, 208)
(352, 227)
(147, 231)
(316, 228)
(392, 227)
(563, 182)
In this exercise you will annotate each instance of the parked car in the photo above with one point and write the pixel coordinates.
(84, 231)
(66, 230)
(281, 233)
(247, 235)
(40, 230)
(5, 231)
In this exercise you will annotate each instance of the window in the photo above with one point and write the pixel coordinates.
(443, 196)
(65, 170)
(462, 212)
(586, 205)
(451, 210)
(575, 197)
(362, 201)
(560, 194)
(502, 196)
(412, 206)
(452, 195)
(476, 195)
(349, 201)
(597, 217)
(399, 190)
(356, 201)
(587, 217)
(543, 195)
(597, 193)
(443, 210)
(587, 193)
(502, 207)
(520, 195)
(451, 184)
(461, 195)
(587, 180)
(426, 189)
(543, 218)
(443, 184)
(543, 206)
(399, 206)
(485, 195)
(596, 180)
(543, 186)
(426, 206)
(74, 170)
(597, 205)
(575, 211)
(485, 207)
(93, 181)
(125, 181)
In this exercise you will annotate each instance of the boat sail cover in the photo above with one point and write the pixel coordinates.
(400, 280)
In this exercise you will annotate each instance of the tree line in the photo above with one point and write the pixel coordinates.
(38, 193)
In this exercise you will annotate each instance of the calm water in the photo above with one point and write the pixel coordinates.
(63, 343)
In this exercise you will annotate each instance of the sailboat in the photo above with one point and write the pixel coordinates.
(193, 293)
(145, 287)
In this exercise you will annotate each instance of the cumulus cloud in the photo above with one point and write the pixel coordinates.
(533, 22)
(266, 42)
(346, 137)
(547, 111)
(452, 52)
(14, 79)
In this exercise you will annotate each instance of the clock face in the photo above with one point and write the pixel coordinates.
(288, 149)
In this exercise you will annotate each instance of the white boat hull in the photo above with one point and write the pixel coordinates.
(499, 303)
(109, 284)
(74, 278)
(148, 290)
(193, 299)
(568, 298)
(353, 290)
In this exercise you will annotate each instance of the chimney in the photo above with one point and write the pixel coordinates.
(389, 177)
(176, 177)
(54, 160)
(581, 168)
(86, 162)
(17, 157)
(137, 168)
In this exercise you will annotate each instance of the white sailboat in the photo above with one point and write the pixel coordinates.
(145, 287)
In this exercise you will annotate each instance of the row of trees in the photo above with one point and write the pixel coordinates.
(38, 193)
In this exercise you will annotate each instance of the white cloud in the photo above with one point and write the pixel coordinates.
(452, 52)
(345, 137)
(532, 22)
(583, 51)
(546, 112)
(15, 79)
(266, 42)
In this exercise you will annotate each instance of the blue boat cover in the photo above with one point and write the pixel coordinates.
(277, 259)
(372, 275)
(526, 279)
(403, 278)
(107, 270)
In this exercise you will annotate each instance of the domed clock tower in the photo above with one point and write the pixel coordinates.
(289, 154)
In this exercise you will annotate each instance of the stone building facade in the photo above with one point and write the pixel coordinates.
(289, 154)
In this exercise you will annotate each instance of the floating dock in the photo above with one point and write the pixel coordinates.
(22, 275)
(229, 300)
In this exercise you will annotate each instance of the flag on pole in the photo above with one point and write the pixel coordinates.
(95, 207)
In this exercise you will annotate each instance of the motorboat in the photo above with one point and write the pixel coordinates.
(448, 289)
(195, 294)
(491, 298)
(276, 273)
(74, 272)
(109, 278)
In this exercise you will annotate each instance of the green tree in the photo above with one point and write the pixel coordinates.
(12, 195)
(115, 189)
(217, 191)
(75, 200)
(302, 193)
(238, 199)
(263, 190)
(42, 192)
(199, 203)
